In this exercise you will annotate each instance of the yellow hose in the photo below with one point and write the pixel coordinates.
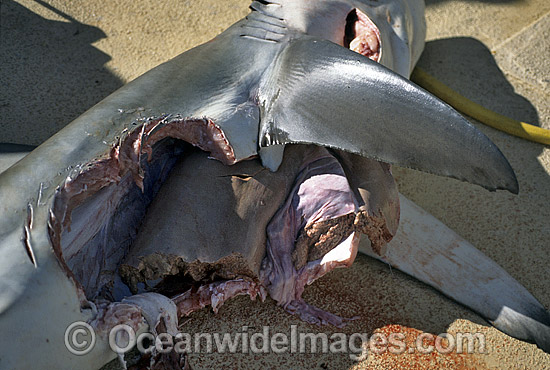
(474, 110)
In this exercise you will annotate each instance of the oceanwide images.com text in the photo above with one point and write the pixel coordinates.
(80, 339)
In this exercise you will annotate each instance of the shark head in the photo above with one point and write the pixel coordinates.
(400, 24)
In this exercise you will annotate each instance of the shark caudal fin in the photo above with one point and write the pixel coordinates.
(431, 252)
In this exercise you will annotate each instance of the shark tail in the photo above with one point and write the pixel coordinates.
(431, 252)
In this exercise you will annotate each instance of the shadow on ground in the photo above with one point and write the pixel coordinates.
(468, 66)
(51, 73)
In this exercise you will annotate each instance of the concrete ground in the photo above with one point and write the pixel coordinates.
(58, 58)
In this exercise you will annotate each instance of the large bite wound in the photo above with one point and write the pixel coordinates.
(98, 208)
(214, 231)
(204, 235)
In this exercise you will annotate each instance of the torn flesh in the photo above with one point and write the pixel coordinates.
(291, 285)
(362, 35)
(102, 219)
(156, 230)
(321, 195)
(215, 237)
(97, 210)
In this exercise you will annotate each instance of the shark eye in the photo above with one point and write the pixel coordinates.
(362, 35)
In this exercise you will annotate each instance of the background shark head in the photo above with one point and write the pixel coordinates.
(400, 24)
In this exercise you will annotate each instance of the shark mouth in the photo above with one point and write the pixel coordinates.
(158, 226)
(362, 35)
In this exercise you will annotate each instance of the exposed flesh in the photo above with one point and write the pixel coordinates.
(362, 35)
(108, 221)
(206, 227)
(156, 215)
(305, 221)
(206, 233)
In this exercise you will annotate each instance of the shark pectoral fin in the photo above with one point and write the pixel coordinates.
(431, 252)
(321, 93)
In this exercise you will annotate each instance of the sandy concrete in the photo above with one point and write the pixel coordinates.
(58, 58)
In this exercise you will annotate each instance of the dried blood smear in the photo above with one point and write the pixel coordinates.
(412, 358)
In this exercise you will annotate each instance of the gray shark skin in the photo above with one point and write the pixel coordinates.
(280, 77)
